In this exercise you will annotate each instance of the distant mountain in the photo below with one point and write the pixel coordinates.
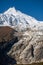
(15, 18)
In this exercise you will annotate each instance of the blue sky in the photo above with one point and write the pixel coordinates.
(31, 7)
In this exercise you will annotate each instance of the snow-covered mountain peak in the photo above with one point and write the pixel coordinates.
(11, 11)
(15, 18)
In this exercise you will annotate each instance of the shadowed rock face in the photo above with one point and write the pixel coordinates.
(4, 58)
(6, 41)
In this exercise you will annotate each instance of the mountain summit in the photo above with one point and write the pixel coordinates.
(11, 11)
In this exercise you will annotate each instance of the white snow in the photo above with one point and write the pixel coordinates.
(11, 11)
(13, 17)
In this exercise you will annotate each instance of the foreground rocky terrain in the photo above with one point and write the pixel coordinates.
(23, 47)
(29, 49)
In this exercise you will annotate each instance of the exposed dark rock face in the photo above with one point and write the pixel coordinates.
(4, 48)
(6, 45)
(32, 50)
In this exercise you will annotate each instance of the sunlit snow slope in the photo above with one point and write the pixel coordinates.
(15, 18)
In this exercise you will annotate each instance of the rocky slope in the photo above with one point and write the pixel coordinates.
(29, 49)
(24, 47)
